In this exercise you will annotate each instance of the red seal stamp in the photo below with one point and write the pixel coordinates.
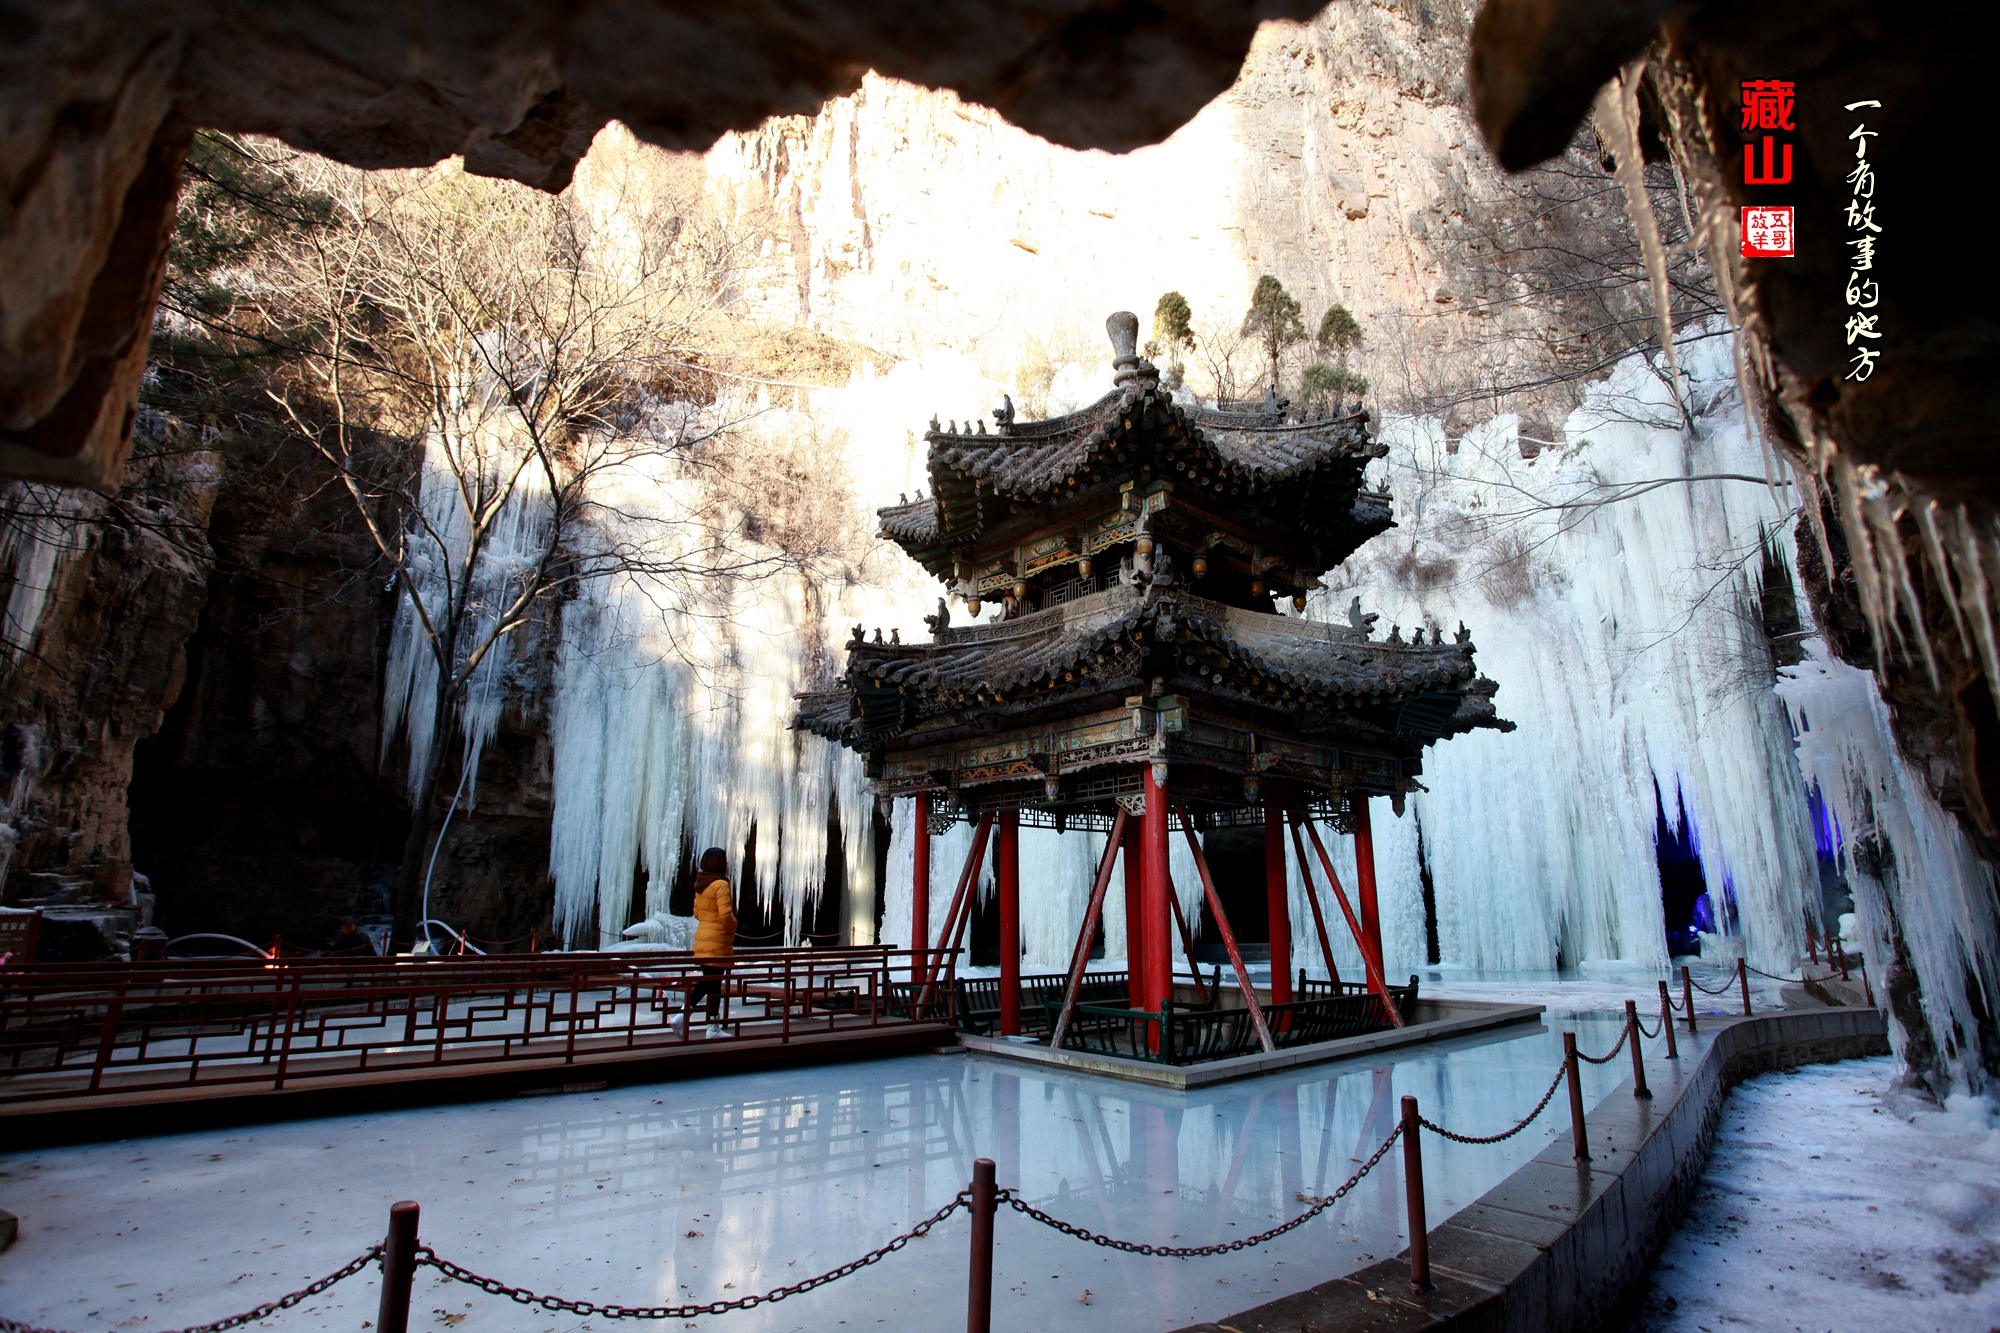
(1767, 232)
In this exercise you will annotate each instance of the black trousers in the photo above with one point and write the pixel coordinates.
(708, 988)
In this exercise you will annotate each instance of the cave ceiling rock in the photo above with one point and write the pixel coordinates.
(101, 100)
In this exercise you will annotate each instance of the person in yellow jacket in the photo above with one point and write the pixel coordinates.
(714, 936)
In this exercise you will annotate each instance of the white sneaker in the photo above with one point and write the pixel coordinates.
(716, 1030)
(679, 1023)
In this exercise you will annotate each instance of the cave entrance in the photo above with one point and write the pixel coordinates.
(1683, 889)
(1236, 862)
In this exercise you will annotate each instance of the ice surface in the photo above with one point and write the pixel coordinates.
(717, 1187)
(1832, 1204)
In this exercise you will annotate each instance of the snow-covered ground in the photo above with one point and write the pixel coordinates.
(1833, 1203)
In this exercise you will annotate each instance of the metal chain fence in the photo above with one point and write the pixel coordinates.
(1504, 1135)
(1609, 1055)
(591, 1309)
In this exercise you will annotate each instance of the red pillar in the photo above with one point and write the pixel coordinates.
(1007, 867)
(920, 879)
(1154, 910)
(1135, 915)
(1279, 903)
(1364, 882)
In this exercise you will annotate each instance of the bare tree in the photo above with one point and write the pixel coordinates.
(1218, 351)
(506, 392)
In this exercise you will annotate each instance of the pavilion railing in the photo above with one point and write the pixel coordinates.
(1181, 1034)
(85, 1029)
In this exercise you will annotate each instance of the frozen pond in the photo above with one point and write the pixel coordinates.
(713, 1188)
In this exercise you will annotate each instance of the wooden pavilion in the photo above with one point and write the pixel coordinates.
(1141, 673)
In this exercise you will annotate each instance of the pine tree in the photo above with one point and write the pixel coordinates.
(1172, 334)
(1339, 333)
(1273, 319)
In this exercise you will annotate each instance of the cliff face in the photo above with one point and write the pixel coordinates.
(1345, 161)
(264, 806)
(102, 595)
(200, 701)
(256, 809)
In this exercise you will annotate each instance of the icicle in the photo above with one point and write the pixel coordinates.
(1977, 593)
(1865, 563)
(1927, 524)
(1718, 239)
(1618, 107)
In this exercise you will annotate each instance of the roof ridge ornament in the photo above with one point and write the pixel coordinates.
(1129, 370)
(1364, 623)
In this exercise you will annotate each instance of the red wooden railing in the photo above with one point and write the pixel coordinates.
(78, 1029)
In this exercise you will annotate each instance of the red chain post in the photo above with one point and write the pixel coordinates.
(1843, 955)
(1639, 1088)
(1575, 1067)
(1865, 986)
(1667, 1020)
(979, 1282)
(399, 1267)
(1687, 997)
(1812, 945)
(1743, 977)
(1413, 1189)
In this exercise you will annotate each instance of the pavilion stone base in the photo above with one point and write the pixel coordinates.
(1436, 1020)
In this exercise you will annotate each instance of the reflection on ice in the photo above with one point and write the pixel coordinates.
(715, 1188)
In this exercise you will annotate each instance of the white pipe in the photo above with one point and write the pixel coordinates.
(428, 922)
(261, 953)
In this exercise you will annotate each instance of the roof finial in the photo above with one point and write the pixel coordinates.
(1127, 366)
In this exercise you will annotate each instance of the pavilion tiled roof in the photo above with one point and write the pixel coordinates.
(1099, 644)
(1309, 469)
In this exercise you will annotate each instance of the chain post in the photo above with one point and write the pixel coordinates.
(979, 1282)
(1687, 996)
(1843, 955)
(1812, 945)
(1639, 1088)
(1413, 1187)
(1575, 1067)
(1667, 1020)
(1865, 986)
(1743, 977)
(399, 1268)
